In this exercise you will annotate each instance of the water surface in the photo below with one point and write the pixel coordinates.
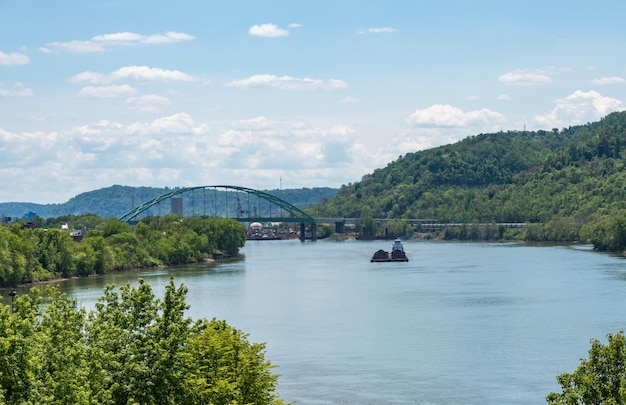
(460, 323)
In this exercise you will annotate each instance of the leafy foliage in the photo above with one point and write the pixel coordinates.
(38, 254)
(131, 349)
(600, 379)
(228, 369)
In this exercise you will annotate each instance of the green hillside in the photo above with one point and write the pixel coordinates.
(570, 181)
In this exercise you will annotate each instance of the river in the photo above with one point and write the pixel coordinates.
(460, 323)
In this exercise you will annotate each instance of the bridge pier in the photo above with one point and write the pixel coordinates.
(340, 227)
(313, 229)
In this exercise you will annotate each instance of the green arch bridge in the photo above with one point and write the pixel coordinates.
(240, 203)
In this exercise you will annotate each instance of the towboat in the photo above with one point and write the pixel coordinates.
(397, 254)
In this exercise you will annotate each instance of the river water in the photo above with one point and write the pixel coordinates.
(460, 323)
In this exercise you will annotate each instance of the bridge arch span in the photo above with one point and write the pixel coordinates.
(294, 214)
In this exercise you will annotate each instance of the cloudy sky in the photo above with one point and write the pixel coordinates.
(280, 93)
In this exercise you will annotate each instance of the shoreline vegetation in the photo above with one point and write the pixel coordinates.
(62, 279)
(30, 255)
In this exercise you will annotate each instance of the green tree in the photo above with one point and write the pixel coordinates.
(229, 235)
(600, 379)
(129, 252)
(84, 258)
(120, 349)
(113, 226)
(104, 258)
(17, 357)
(228, 369)
(133, 348)
(59, 343)
(617, 233)
(13, 263)
(171, 329)
(55, 251)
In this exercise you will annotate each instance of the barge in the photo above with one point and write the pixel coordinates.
(397, 254)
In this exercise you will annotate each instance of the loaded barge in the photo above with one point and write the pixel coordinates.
(397, 254)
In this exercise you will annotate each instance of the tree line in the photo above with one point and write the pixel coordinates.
(133, 348)
(109, 245)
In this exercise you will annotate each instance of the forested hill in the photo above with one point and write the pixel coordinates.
(116, 200)
(576, 173)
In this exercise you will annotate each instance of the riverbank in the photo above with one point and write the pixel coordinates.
(221, 257)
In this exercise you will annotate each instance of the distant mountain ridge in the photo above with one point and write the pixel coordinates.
(116, 200)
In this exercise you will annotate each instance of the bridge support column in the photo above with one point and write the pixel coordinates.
(302, 232)
(340, 227)
(313, 231)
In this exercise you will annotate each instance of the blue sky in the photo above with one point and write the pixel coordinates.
(265, 94)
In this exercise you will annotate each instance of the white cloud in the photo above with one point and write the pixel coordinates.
(73, 46)
(350, 100)
(150, 103)
(267, 31)
(525, 78)
(256, 123)
(15, 90)
(13, 59)
(250, 152)
(440, 115)
(441, 124)
(261, 143)
(90, 77)
(179, 123)
(287, 83)
(413, 140)
(98, 128)
(145, 73)
(379, 30)
(294, 25)
(578, 108)
(107, 91)
(504, 97)
(118, 38)
(137, 73)
(101, 43)
(608, 80)
(131, 38)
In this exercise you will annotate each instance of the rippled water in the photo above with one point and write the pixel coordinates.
(460, 323)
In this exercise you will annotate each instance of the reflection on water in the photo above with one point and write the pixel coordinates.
(459, 323)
